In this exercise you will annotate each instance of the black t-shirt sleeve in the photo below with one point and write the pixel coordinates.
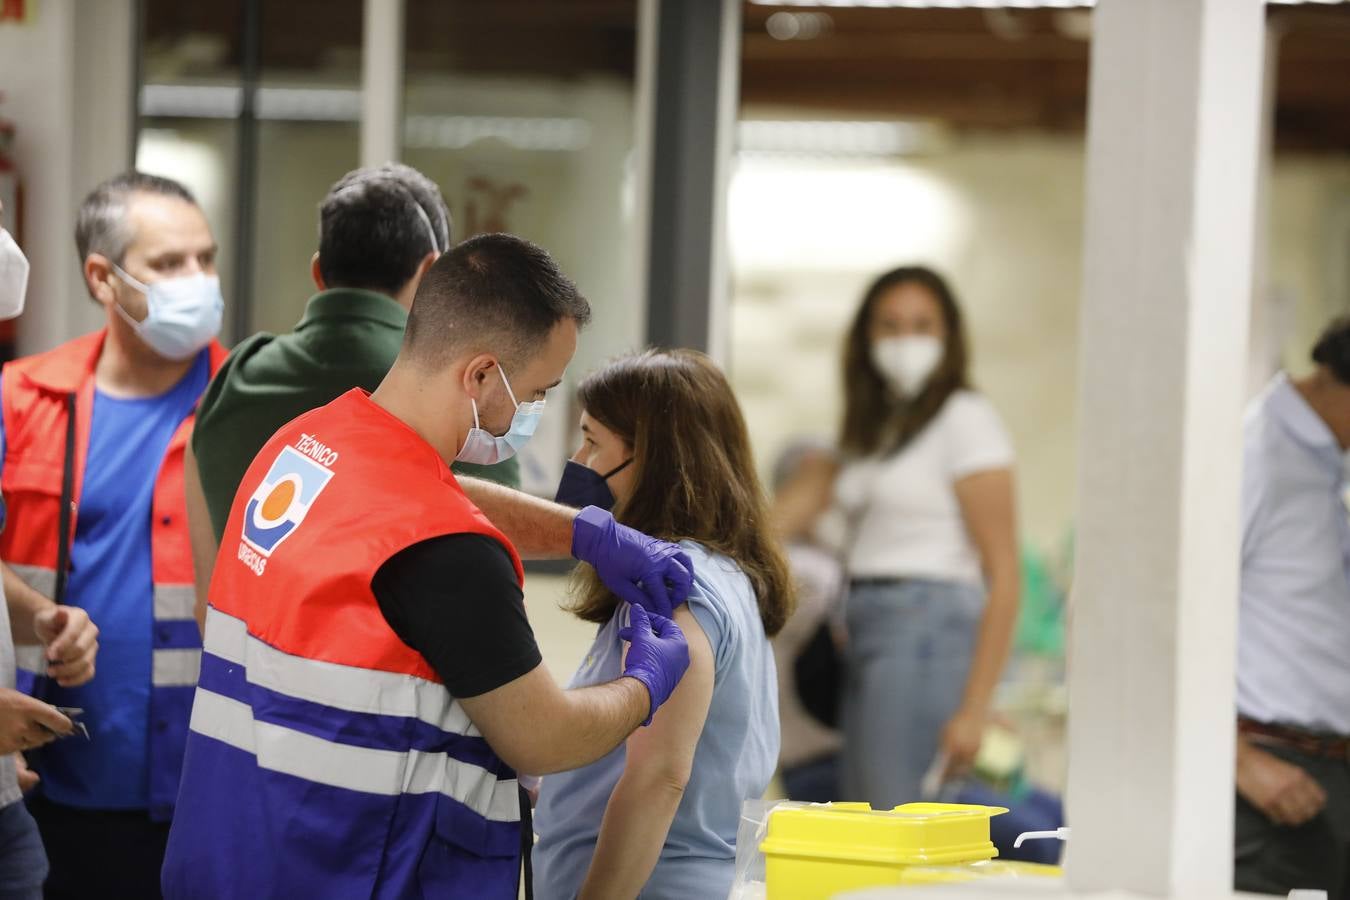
(455, 600)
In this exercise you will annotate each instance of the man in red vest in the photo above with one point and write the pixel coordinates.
(370, 685)
(93, 437)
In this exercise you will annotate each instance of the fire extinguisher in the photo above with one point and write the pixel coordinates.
(11, 195)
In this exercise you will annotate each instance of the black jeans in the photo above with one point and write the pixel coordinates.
(98, 854)
(1275, 859)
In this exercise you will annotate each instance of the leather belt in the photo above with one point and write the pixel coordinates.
(1313, 743)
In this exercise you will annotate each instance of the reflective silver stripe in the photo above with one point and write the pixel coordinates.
(176, 668)
(342, 687)
(386, 772)
(175, 601)
(40, 578)
(32, 658)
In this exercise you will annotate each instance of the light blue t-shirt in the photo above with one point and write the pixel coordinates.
(1293, 627)
(110, 578)
(733, 762)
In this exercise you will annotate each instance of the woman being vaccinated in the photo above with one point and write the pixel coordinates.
(666, 445)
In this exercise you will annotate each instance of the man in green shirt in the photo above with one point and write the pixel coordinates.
(380, 229)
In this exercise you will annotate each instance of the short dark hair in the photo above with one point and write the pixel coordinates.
(373, 227)
(101, 225)
(1332, 350)
(494, 292)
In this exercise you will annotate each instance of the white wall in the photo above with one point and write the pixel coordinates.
(1002, 216)
(67, 82)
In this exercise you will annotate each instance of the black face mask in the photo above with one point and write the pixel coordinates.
(583, 486)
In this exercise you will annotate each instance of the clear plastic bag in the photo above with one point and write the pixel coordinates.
(749, 881)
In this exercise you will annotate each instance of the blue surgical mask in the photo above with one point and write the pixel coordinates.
(184, 313)
(483, 448)
(582, 486)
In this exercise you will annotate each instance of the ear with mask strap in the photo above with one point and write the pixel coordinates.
(483, 448)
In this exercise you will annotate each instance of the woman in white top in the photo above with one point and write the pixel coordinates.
(925, 481)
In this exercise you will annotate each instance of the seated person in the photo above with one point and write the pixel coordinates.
(666, 445)
(807, 651)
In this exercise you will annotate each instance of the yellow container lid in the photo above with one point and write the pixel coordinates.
(913, 834)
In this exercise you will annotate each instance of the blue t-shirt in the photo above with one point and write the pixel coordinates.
(733, 762)
(110, 578)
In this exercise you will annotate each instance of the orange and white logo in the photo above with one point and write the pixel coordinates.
(282, 500)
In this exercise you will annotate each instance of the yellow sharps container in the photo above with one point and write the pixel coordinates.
(815, 852)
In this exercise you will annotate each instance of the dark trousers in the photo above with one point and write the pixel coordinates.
(23, 866)
(814, 782)
(1275, 859)
(100, 854)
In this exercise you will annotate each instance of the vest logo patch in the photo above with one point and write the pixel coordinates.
(280, 503)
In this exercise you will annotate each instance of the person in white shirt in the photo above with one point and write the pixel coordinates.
(926, 484)
(1293, 672)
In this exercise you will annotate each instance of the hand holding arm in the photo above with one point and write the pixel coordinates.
(658, 655)
(637, 568)
(643, 571)
(537, 727)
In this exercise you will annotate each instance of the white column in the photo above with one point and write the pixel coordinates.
(644, 150)
(1268, 326)
(105, 119)
(67, 79)
(728, 114)
(1171, 185)
(382, 82)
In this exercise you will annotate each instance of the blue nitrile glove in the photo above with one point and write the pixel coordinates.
(658, 654)
(642, 570)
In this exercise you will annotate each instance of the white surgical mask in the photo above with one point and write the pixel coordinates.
(13, 276)
(184, 313)
(483, 448)
(907, 362)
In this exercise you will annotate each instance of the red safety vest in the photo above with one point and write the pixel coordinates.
(326, 758)
(37, 397)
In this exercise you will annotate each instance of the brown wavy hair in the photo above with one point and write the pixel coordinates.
(694, 475)
(875, 420)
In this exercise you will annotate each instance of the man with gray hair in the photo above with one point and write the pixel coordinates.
(93, 436)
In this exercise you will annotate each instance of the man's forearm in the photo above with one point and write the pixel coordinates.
(597, 719)
(539, 529)
(24, 604)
